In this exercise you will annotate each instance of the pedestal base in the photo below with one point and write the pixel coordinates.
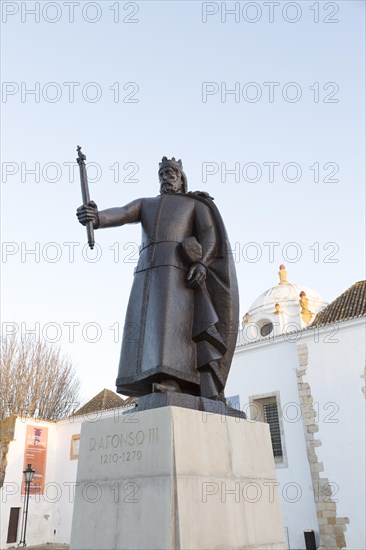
(175, 478)
(176, 399)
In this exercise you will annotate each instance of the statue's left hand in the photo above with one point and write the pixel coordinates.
(196, 275)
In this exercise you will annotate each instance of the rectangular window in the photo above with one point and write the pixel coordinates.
(266, 408)
(271, 417)
(74, 447)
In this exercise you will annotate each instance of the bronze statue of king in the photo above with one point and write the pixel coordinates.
(182, 318)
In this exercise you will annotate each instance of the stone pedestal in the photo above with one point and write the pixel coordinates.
(175, 478)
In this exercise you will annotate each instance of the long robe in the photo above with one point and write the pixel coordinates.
(171, 330)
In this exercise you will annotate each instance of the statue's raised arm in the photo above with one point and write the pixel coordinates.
(111, 217)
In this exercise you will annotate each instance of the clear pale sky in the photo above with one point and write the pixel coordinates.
(134, 81)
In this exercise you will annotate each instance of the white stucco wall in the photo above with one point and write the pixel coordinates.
(267, 367)
(50, 514)
(64, 485)
(40, 509)
(336, 363)
(66, 472)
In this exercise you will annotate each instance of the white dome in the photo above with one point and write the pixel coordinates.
(286, 294)
(284, 308)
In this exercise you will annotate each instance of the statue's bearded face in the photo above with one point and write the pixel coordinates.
(170, 180)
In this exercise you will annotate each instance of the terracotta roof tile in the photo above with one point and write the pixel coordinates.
(106, 399)
(349, 305)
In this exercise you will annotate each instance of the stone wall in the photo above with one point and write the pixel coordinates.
(331, 528)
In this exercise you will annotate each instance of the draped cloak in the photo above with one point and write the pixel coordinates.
(171, 330)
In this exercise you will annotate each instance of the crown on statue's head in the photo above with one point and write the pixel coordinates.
(171, 162)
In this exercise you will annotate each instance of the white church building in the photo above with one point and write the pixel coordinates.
(299, 366)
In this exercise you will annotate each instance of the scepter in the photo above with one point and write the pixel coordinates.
(85, 193)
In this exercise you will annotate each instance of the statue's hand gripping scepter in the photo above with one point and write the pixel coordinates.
(86, 198)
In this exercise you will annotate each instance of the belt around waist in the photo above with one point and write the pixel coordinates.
(164, 253)
(146, 244)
